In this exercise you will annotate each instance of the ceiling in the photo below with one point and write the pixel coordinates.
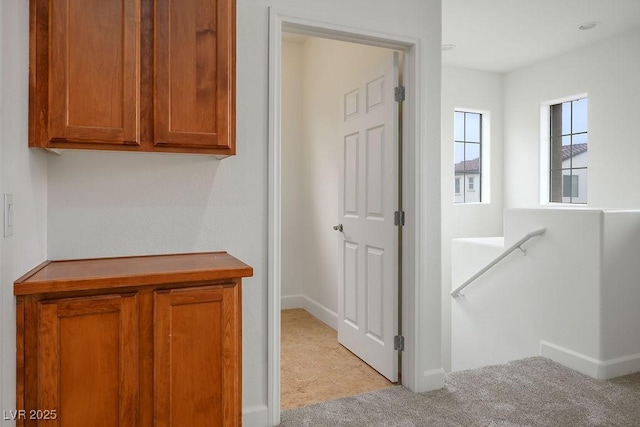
(503, 35)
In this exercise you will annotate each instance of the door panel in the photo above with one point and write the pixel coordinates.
(197, 388)
(375, 93)
(375, 173)
(350, 283)
(350, 181)
(195, 105)
(375, 294)
(368, 279)
(88, 360)
(351, 103)
(94, 71)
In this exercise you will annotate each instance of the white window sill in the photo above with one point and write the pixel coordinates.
(471, 203)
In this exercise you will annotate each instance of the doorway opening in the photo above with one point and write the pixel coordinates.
(278, 222)
(331, 91)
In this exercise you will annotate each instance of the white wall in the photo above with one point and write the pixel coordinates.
(574, 297)
(3, 338)
(608, 73)
(481, 91)
(551, 294)
(620, 286)
(23, 174)
(103, 204)
(328, 66)
(293, 166)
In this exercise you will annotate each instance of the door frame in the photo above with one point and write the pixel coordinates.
(411, 173)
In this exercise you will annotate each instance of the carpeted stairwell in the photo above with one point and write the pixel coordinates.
(529, 392)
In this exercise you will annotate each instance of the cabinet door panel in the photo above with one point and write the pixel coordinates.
(195, 72)
(94, 71)
(197, 350)
(88, 360)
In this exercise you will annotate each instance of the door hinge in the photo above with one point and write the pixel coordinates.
(398, 342)
(399, 93)
(398, 218)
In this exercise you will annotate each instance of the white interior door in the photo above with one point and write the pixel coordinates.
(368, 273)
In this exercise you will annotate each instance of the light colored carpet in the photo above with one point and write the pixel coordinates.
(315, 368)
(528, 392)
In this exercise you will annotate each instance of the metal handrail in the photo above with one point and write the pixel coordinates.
(518, 245)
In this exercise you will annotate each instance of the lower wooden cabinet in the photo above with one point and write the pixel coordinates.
(155, 342)
(87, 360)
(196, 357)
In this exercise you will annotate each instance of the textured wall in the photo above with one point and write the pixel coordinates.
(24, 174)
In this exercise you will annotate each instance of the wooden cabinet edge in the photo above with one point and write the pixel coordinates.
(59, 148)
(20, 366)
(215, 267)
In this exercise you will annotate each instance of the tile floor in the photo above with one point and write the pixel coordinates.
(315, 368)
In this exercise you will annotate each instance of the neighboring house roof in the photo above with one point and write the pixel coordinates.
(568, 151)
(572, 150)
(472, 165)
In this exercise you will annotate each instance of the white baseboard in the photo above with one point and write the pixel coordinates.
(292, 301)
(431, 380)
(602, 370)
(255, 416)
(620, 366)
(317, 310)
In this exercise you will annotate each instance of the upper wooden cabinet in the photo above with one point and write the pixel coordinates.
(133, 75)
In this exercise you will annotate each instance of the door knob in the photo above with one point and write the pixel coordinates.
(338, 227)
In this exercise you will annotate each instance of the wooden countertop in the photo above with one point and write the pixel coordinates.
(100, 273)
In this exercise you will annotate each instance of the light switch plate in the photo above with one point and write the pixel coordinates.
(8, 215)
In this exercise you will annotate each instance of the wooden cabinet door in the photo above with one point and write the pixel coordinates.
(92, 95)
(195, 75)
(87, 360)
(197, 347)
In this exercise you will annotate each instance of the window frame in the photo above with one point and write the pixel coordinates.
(545, 150)
(482, 187)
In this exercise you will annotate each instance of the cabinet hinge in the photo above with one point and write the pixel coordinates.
(399, 93)
(398, 342)
(398, 218)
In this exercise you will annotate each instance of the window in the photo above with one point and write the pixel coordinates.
(570, 186)
(568, 152)
(468, 156)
